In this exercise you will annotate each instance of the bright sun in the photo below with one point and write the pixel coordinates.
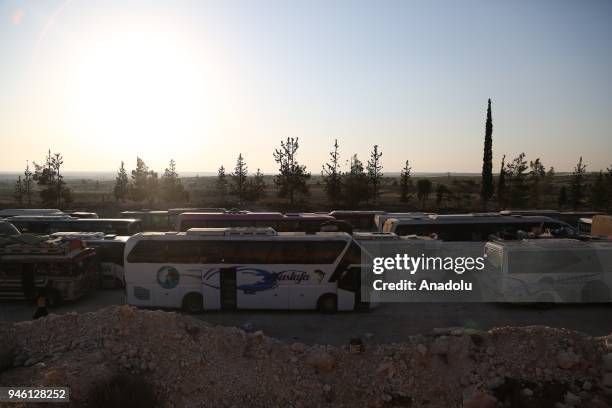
(138, 84)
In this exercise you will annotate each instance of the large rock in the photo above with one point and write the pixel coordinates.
(480, 400)
(322, 361)
(567, 359)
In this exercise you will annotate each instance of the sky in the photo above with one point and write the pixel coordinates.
(202, 81)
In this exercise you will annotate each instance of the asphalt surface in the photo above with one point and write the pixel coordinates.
(388, 323)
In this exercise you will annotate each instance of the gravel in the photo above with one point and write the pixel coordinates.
(193, 363)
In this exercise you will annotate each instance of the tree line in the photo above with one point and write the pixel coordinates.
(144, 185)
(347, 183)
(52, 188)
(523, 184)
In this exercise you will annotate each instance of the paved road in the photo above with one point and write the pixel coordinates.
(388, 323)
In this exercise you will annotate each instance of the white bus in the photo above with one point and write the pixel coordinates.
(243, 268)
(476, 227)
(548, 270)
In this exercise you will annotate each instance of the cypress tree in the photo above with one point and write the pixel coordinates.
(487, 160)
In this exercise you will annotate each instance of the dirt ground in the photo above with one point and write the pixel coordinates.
(388, 323)
(123, 356)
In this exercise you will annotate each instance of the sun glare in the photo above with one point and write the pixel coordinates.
(138, 84)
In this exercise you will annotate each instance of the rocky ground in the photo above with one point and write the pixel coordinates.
(189, 363)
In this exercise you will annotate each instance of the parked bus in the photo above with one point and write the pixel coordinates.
(49, 225)
(549, 271)
(309, 223)
(13, 212)
(572, 217)
(360, 220)
(150, 220)
(380, 219)
(173, 214)
(65, 268)
(474, 227)
(6, 228)
(243, 268)
(109, 251)
(544, 213)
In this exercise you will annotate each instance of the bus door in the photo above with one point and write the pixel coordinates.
(227, 287)
(347, 278)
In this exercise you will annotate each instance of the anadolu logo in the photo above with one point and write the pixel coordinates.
(168, 277)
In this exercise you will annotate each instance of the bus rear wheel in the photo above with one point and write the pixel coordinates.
(328, 304)
(193, 303)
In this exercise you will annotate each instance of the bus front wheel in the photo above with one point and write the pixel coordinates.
(193, 303)
(328, 304)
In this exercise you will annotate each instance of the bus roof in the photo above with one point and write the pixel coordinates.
(144, 212)
(11, 212)
(236, 233)
(375, 236)
(259, 216)
(355, 212)
(176, 211)
(42, 217)
(471, 219)
(89, 236)
(550, 244)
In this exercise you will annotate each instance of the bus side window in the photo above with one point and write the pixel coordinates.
(323, 252)
(148, 252)
(183, 252)
(210, 252)
(242, 252)
(8, 269)
(134, 227)
(294, 253)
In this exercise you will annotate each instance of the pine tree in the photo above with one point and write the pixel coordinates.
(424, 187)
(18, 193)
(548, 186)
(332, 177)
(49, 177)
(562, 200)
(577, 187)
(536, 181)
(292, 178)
(27, 184)
(256, 189)
(222, 185)
(519, 190)
(374, 169)
(599, 193)
(172, 188)
(239, 179)
(405, 183)
(442, 193)
(144, 183)
(487, 161)
(120, 190)
(355, 183)
(501, 184)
